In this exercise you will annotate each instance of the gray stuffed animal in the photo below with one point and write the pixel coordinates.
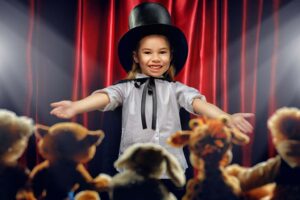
(144, 165)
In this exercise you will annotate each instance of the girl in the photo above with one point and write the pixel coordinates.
(150, 51)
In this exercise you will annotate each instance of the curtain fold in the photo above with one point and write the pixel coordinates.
(226, 60)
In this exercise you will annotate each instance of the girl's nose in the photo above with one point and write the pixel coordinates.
(156, 58)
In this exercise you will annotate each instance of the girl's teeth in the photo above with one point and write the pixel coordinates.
(154, 66)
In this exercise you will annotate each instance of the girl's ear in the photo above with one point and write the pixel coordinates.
(135, 57)
(41, 130)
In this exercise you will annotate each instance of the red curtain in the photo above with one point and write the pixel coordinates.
(224, 41)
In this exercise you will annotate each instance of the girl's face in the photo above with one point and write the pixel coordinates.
(153, 55)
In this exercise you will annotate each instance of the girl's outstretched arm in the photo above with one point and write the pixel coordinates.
(68, 109)
(238, 119)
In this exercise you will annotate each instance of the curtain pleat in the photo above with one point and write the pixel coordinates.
(224, 59)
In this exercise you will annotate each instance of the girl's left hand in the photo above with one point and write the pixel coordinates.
(239, 121)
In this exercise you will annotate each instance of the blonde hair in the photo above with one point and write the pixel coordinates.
(169, 74)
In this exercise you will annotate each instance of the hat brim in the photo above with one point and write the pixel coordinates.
(128, 43)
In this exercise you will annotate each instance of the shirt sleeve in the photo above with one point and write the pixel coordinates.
(185, 96)
(116, 94)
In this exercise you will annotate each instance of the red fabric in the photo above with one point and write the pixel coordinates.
(28, 58)
(207, 26)
(272, 99)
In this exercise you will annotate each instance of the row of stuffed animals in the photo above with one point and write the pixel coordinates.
(67, 146)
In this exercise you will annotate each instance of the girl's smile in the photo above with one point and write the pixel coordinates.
(153, 55)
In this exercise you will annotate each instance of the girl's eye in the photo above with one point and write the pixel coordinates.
(147, 52)
(163, 52)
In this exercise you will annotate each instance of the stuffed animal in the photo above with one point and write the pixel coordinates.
(144, 164)
(14, 134)
(87, 195)
(66, 146)
(210, 142)
(284, 169)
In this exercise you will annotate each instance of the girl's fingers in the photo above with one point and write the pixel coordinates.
(59, 113)
(55, 104)
(55, 111)
(241, 128)
(239, 120)
(247, 127)
(59, 103)
(243, 125)
(246, 115)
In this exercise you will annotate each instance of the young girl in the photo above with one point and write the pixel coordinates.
(150, 51)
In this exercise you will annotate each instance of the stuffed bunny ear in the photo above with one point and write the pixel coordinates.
(42, 130)
(179, 139)
(238, 137)
(174, 169)
(125, 158)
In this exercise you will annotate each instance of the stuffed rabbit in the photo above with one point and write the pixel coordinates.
(143, 165)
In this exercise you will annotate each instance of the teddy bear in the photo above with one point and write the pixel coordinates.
(14, 135)
(283, 170)
(87, 195)
(143, 165)
(66, 146)
(210, 142)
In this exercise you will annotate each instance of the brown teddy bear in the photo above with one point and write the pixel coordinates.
(87, 195)
(144, 164)
(284, 169)
(210, 142)
(66, 146)
(14, 134)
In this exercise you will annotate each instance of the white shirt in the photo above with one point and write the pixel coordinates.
(171, 96)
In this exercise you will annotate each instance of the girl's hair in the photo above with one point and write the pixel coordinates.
(169, 74)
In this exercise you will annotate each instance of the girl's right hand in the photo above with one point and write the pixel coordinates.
(63, 109)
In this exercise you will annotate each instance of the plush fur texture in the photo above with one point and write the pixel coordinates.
(210, 142)
(14, 134)
(66, 147)
(87, 195)
(284, 169)
(284, 126)
(143, 165)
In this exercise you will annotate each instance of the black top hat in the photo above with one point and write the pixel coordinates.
(152, 18)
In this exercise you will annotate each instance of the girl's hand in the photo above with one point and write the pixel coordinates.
(63, 109)
(239, 121)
